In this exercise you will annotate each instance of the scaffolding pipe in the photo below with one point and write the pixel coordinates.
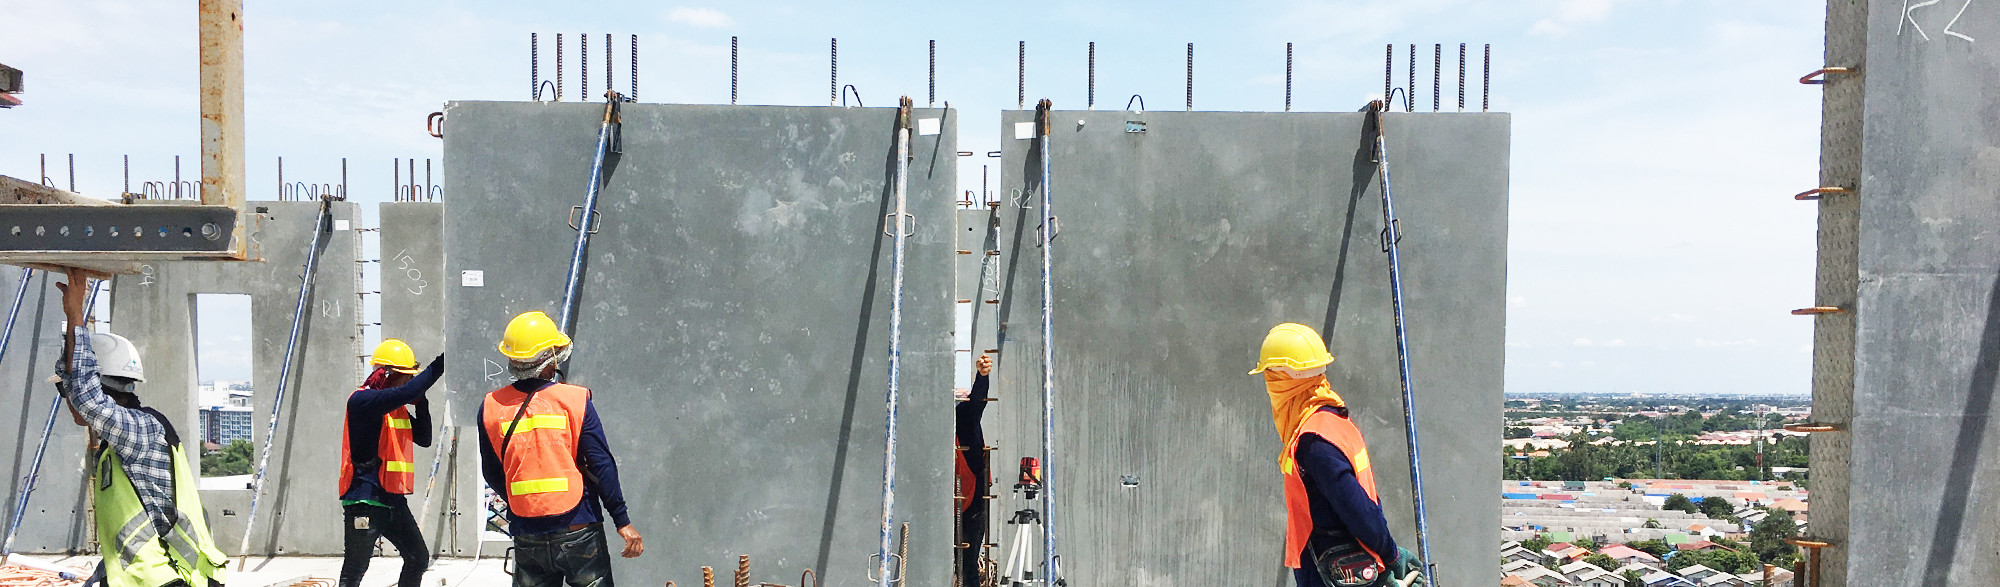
(1391, 234)
(1048, 231)
(48, 425)
(607, 133)
(284, 376)
(899, 236)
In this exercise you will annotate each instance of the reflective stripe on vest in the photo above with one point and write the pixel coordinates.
(137, 554)
(540, 462)
(1298, 509)
(398, 423)
(399, 466)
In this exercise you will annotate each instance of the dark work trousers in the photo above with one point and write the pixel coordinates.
(365, 525)
(576, 558)
(971, 530)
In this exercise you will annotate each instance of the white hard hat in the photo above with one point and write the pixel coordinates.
(116, 356)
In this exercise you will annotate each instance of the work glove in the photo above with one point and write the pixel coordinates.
(439, 362)
(1408, 570)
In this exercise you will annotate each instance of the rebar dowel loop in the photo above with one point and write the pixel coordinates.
(1390, 235)
(21, 501)
(732, 70)
(850, 89)
(573, 285)
(1136, 98)
(1288, 77)
(1044, 114)
(1461, 77)
(320, 226)
(895, 224)
(1190, 77)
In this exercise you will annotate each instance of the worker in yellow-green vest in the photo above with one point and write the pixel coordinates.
(378, 466)
(150, 526)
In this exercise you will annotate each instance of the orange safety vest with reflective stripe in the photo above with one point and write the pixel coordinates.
(1298, 512)
(540, 462)
(396, 450)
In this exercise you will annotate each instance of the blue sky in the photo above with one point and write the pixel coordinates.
(1654, 247)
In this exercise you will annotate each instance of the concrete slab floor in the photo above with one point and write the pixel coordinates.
(290, 570)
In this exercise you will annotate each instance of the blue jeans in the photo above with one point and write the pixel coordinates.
(576, 558)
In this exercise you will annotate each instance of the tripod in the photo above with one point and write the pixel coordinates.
(1019, 571)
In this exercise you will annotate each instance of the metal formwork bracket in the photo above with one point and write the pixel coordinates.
(1819, 76)
(45, 228)
(1815, 193)
(1816, 310)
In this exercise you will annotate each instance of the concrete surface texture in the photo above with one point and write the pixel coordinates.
(734, 320)
(300, 511)
(1917, 505)
(290, 571)
(446, 503)
(1177, 248)
(54, 520)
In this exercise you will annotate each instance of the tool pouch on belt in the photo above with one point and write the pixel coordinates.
(1342, 562)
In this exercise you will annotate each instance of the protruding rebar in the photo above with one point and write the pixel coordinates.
(559, 63)
(72, 173)
(1388, 71)
(732, 70)
(343, 178)
(933, 94)
(1461, 77)
(1288, 77)
(534, 66)
(743, 570)
(707, 577)
(128, 174)
(609, 86)
(1190, 77)
(583, 65)
(1437, 75)
(1090, 79)
(634, 52)
(396, 176)
(833, 70)
(1486, 81)
(1021, 76)
(1409, 101)
(281, 179)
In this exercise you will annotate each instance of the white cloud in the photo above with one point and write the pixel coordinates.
(700, 17)
(1616, 342)
(1673, 318)
(1570, 13)
(1580, 342)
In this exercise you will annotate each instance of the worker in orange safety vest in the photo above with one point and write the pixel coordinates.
(378, 468)
(1335, 533)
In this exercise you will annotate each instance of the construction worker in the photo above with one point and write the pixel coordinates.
(377, 461)
(150, 525)
(1335, 534)
(545, 452)
(974, 475)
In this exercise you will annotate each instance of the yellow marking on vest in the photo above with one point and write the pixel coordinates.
(549, 485)
(399, 466)
(542, 421)
(399, 423)
(1360, 461)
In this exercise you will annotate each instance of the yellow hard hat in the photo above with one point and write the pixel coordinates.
(396, 355)
(529, 334)
(1292, 345)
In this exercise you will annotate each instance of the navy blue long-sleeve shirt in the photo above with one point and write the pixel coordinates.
(600, 475)
(972, 434)
(1336, 500)
(365, 409)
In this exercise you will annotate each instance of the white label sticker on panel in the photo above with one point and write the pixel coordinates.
(1024, 130)
(928, 126)
(472, 278)
(340, 225)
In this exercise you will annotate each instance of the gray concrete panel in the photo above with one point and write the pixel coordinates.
(1177, 249)
(54, 521)
(1922, 506)
(413, 307)
(300, 511)
(733, 323)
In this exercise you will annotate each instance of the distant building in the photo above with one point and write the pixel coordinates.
(221, 425)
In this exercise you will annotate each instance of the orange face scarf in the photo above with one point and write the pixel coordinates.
(1291, 401)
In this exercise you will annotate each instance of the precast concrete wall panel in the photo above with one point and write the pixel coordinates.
(1176, 249)
(733, 322)
(54, 520)
(1922, 506)
(300, 509)
(446, 502)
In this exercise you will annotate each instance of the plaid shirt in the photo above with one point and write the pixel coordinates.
(138, 439)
